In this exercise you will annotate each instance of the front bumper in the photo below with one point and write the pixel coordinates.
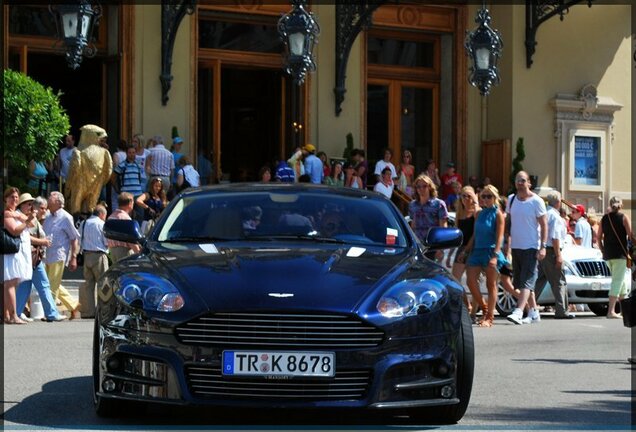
(155, 367)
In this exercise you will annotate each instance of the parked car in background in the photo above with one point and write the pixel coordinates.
(283, 296)
(588, 280)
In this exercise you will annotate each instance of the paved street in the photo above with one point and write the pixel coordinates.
(553, 375)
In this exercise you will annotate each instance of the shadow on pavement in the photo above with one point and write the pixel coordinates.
(67, 403)
(603, 414)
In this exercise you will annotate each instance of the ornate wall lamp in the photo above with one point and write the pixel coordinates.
(483, 46)
(299, 30)
(172, 12)
(76, 23)
(538, 12)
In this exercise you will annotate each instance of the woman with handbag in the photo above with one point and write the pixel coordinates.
(613, 233)
(39, 243)
(17, 265)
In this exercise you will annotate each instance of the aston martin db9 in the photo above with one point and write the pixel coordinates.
(283, 296)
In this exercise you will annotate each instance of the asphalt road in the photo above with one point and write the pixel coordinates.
(556, 375)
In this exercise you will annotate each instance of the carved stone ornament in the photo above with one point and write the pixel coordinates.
(589, 97)
(586, 106)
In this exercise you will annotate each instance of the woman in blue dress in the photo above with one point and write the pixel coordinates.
(485, 252)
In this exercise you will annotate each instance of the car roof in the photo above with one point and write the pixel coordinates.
(280, 187)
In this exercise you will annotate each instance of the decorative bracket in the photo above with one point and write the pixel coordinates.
(351, 19)
(171, 15)
(538, 12)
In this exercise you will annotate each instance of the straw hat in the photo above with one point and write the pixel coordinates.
(25, 197)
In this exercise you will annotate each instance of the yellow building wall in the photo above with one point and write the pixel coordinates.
(150, 116)
(591, 46)
(328, 131)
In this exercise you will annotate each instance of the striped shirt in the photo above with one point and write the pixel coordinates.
(60, 226)
(160, 161)
(130, 177)
(93, 239)
(121, 215)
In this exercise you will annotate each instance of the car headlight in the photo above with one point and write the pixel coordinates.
(412, 297)
(150, 292)
(568, 269)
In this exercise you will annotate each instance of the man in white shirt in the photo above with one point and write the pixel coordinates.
(528, 242)
(94, 248)
(384, 163)
(551, 268)
(385, 185)
(582, 230)
(64, 156)
(63, 250)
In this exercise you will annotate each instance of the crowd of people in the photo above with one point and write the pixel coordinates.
(514, 240)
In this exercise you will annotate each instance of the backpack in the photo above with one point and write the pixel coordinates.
(186, 184)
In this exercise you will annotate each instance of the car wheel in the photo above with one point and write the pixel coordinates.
(103, 407)
(450, 414)
(505, 301)
(600, 309)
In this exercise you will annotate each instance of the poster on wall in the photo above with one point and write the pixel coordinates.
(587, 151)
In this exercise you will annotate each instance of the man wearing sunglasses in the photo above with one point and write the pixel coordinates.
(528, 242)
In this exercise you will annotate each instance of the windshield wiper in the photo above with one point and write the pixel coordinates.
(198, 239)
(313, 238)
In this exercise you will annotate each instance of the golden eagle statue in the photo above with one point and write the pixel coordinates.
(89, 170)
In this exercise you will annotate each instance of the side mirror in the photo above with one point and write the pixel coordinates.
(123, 230)
(443, 238)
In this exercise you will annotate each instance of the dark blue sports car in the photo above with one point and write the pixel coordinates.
(283, 295)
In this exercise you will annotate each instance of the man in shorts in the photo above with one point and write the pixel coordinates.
(528, 237)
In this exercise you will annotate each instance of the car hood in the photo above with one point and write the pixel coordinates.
(263, 277)
(576, 253)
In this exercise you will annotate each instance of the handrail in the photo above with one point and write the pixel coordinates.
(401, 200)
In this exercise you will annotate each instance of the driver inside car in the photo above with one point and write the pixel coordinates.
(332, 223)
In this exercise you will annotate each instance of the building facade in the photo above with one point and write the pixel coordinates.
(404, 87)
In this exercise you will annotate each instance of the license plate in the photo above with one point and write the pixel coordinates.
(259, 363)
(596, 286)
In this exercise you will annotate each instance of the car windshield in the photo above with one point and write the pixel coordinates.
(266, 215)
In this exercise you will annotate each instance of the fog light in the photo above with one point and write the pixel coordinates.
(112, 364)
(442, 370)
(109, 385)
(447, 391)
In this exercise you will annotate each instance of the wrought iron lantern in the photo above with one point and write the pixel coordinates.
(299, 30)
(483, 46)
(77, 22)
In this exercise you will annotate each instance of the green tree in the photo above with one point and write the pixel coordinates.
(348, 147)
(34, 121)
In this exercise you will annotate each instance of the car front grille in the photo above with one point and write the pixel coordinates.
(592, 268)
(284, 330)
(207, 382)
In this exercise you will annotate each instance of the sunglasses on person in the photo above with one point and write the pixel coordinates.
(466, 196)
(421, 186)
(521, 180)
(487, 196)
